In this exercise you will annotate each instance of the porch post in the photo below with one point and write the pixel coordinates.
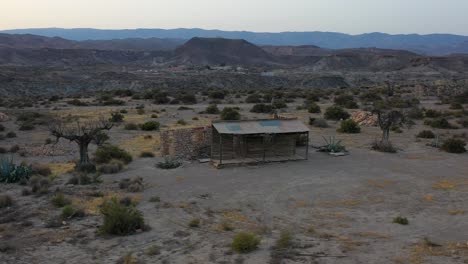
(220, 148)
(264, 149)
(307, 146)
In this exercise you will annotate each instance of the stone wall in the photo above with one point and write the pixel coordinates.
(187, 143)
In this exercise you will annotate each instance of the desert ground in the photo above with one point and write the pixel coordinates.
(335, 209)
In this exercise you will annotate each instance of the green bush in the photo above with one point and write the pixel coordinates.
(212, 109)
(68, 211)
(284, 241)
(150, 126)
(454, 145)
(245, 242)
(253, 99)
(346, 101)
(336, 113)
(194, 223)
(59, 200)
(431, 113)
(349, 126)
(313, 108)
(279, 104)
(106, 153)
(400, 220)
(262, 108)
(426, 134)
(229, 113)
(438, 123)
(116, 117)
(120, 219)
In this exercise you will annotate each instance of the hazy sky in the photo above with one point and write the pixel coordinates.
(348, 16)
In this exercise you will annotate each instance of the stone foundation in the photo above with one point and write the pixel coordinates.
(189, 143)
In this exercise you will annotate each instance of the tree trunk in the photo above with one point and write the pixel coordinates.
(85, 165)
(84, 158)
(385, 135)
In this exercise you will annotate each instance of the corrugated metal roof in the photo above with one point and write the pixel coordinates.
(274, 126)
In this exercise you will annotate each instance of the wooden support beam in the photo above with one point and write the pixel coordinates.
(307, 146)
(220, 149)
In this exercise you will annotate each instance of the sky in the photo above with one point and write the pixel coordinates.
(347, 16)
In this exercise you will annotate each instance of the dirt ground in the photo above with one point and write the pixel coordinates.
(338, 209)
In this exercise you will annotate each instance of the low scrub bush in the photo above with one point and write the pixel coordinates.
(438, 123)
(320, 122)
(383, 146)
(5, 201)
(426, 134)
(39, 184)
(212, 109)
(112, 167)
(245, 242)
(41, 169)
(454, 145)
(400, 220)
(59, 200)
(106, 153)
(349, 126)
(230, 113)
(169, 163)
(68, 212)
(131, 126)
(284, 241)
(262, 108)
(120, 219)
(336, 113)
(146, 154)
(150, 126)
(313, 108)
(194, 223)
(117, 117)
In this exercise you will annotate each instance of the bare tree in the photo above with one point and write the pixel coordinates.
(388, 119)
(82, 133)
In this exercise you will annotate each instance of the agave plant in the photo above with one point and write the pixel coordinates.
(332, 145)
(169, 163)
(11, 173)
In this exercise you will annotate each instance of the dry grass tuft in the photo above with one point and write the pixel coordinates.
(141, 143)
(456, 212)
(379, 183)
(61, 168)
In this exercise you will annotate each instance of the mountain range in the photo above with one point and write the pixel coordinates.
(432, 44)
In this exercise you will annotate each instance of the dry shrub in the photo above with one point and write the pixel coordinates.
(41, 169)
(120, 219)
(245, 242)
(113, 167)
(135, 184)
(383, 146)
(5, 201)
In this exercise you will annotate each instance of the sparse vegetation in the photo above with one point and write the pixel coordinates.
(120, 219)
(349, 126)
(454, 145)
(150, 126)
(336, 113)
(229, 113)
(169, 163)
(400, 220)
(5, 201)
(426, 134)
(245, 242)
(106, 153)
